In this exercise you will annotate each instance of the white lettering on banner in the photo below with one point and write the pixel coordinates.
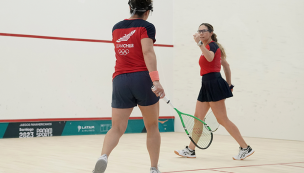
(26, 132)
(44, 132)
(41, 124)
(26, 129)
(35, 124)
(86, 128)
(25, 124)
(126, 37)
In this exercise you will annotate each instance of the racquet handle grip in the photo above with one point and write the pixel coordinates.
(166, 100)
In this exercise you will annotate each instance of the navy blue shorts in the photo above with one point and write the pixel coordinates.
(132, 89)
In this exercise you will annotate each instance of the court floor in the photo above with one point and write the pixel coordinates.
(78, 154)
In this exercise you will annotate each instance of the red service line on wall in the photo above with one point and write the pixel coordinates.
(68, 39)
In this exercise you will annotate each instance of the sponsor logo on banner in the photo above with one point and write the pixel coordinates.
(86, 128)
(44, 132)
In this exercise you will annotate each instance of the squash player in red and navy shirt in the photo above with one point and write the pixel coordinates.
(135, 74)
(214, 89)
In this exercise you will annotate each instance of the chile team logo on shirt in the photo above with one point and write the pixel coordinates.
(123, 48)
(126, 37)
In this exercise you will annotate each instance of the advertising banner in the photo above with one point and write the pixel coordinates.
(67, 128)
(87, 127)
(34, 129)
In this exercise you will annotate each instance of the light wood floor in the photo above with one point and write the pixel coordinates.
(78, 154)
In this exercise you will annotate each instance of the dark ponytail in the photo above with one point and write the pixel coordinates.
(214, 38)
(139, 7)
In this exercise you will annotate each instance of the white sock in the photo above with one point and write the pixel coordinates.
(104, 157)
(190, 149)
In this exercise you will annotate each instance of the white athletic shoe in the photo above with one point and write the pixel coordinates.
(187, 152)
(244, 153)
(154, 170)
(101, 164)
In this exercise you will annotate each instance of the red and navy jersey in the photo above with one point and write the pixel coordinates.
(127, 36)
(215, 64)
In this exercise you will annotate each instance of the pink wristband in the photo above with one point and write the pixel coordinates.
(154, 75)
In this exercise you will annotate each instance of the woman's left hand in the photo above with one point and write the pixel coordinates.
(196, 37)
(231, 87)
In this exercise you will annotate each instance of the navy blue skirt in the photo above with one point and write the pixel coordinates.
(214, 88)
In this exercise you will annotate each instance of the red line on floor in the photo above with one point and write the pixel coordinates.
(232, 167)
(68, 39)
(293, 165)
(220, 171)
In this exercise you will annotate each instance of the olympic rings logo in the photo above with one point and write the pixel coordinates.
(123, 52)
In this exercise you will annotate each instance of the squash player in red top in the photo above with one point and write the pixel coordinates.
(135, 74)
(214, 89)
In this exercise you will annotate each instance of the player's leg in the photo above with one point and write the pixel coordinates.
(219, 110)
(122, 105)
(148, 103)
(150, 116)
(200, 112)
(120, 119)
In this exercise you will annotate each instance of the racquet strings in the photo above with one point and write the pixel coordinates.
(212, 121)
(199, 132)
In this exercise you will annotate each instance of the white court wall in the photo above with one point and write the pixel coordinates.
(264, 42)
(41, 78)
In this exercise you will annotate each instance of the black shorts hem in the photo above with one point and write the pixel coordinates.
(150, 104)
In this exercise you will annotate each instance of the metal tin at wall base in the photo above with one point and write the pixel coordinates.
(66, 128)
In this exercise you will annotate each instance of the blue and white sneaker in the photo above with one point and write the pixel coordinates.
(244, 153)
(101, 164)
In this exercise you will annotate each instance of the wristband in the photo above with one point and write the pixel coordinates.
(199, 43)
(231, 86)
(154, 75)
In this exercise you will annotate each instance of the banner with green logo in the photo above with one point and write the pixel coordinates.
(103, 126)
(83, 127)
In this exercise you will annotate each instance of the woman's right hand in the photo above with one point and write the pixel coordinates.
(158, 89)
(196, 37)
